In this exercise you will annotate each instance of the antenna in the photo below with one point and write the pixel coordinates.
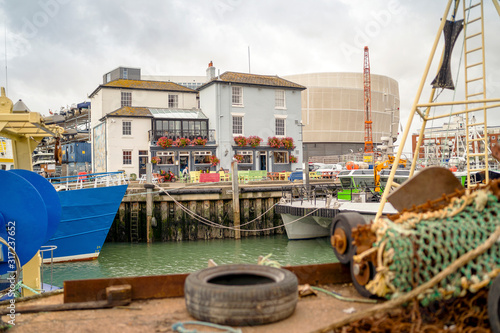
(249, 59)
(6, 80)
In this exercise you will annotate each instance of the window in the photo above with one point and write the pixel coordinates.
(202, 157)
(108, 77)
(126, 98)
(127, 157)
(280, 126)
(237, 125)
(125, 73)
(143, 153)
(281, 157)
(237, 96)
(173, 101)
(166, 157)
(127, 128)
(247, 156)
(279, 99)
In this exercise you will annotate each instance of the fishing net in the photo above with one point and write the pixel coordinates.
(418, 245)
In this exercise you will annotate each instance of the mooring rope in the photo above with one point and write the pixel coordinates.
(217, 225)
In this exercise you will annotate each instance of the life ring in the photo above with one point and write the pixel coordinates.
(241, 294)
(494, 305)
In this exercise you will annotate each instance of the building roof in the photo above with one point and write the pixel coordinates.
(254, 79)
(143, 85)
(177, 113)
(130, 111)
(144, 112)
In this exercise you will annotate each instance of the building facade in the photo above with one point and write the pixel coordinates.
(248, 106)
(333, 111)
(122, 122)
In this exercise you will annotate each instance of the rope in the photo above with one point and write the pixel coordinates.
(409, 248)
(216, 225)
(179, 327)
(18, 266)
(404, 298)
(343, 298)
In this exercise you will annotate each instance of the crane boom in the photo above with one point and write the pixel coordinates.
(367, 105)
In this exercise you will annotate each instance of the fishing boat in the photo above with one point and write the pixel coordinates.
(88, 207)
(88, 202)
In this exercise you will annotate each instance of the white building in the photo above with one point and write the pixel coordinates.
(242, 104)
(121, 119)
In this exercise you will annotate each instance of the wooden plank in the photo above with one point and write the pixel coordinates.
(164, 286)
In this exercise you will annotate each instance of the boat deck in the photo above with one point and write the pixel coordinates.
(158, 315)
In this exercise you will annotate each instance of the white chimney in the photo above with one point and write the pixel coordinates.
(210, 72)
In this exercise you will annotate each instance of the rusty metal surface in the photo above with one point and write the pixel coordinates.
(321, 274)
(429, 184)
(143, 287)
(165, 286)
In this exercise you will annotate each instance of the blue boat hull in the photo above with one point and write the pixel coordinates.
(86, 216)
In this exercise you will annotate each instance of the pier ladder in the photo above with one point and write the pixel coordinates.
(134, 223)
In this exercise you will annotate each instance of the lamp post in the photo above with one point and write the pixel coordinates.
(305, 158)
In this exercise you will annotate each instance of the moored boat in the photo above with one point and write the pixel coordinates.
(88, 206)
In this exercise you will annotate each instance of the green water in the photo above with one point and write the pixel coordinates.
(124, 259)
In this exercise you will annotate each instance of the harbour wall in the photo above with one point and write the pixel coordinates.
(212, 206)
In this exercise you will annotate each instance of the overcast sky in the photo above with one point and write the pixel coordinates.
(58, 50)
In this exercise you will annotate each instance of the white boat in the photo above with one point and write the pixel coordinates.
(306, 217)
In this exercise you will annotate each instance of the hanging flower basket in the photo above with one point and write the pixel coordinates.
(164, 142)
(288, 143)
(238, 158)
(199, 142)
(182, 142)
(293, 159)
(274, 142)
(214, 160)
(155, 160)
(254, 141)
(241, 141)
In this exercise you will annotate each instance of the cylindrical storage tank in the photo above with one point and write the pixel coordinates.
(333, 110)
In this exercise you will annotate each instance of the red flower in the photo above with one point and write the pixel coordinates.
(241, 141)
(164, 142)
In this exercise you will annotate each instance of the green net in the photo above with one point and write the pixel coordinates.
(419, 246)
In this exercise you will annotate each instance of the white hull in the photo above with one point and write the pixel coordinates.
(79, 257)
(316, 226)
(305, 228)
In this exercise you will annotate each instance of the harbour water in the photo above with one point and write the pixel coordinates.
(125, 259)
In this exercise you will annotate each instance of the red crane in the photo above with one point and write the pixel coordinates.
(368, 106)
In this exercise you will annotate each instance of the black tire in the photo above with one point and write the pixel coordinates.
(359, 288)
(241, 295)
(494, 305)
(346, 221)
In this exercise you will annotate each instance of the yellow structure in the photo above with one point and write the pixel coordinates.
(26, 130)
